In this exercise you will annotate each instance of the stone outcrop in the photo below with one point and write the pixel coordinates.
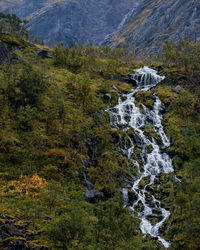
(44, 53)
(16, 236)
(5, 56)
(93, 196)
(4, 53)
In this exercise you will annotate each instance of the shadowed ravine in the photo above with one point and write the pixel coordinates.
(126, 115)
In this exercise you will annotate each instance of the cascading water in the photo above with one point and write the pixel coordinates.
(127, 115)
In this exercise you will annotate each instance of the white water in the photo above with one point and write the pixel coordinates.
(126, 115)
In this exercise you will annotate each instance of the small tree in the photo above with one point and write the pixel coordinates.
(31, 85)
(184, 56)
(11, 24)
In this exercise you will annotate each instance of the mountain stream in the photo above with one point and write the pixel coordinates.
(127, 115)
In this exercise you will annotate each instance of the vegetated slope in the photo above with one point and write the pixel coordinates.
(56, 142)
(155, 21)
(71, 20)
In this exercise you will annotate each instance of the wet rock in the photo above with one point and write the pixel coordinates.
(177, 178)
(44, 53)
(93, 196)
(76, 173)
(158, 68)
(85, 165)
(107, 193)
(14, 57)
(157, 212)
(90, 185)
(149, 200)
(149, 189)
(115, 88)
(47, 218)
(132, 197)
(127, 184)
(92, 146)
(107, 97)
(129, 79)
(177, 89)
(137, 138)
(155, 238)
(148, 197)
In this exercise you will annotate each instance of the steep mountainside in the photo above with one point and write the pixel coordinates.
(155, 21)
(143, 24)
(87, 21)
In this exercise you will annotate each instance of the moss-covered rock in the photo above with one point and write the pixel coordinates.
(145, 97)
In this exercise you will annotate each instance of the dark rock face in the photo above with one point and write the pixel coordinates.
(44, 53)
(132, 197)
(15, 236)
(88, 21)
(4, 53)
(93, 196)
(107, 96)
(137, 138)
(151, 22)
(143, 24)
(177, 89)
(5, 56)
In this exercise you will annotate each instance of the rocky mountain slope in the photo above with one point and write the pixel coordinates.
(155, 21)
(142, 24)
(87, 21)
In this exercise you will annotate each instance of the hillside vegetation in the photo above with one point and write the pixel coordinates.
(56, 140)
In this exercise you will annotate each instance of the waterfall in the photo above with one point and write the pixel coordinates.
(126, 115)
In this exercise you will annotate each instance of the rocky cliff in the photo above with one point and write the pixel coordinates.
(154, 21)
(88, 21)
(142, 24)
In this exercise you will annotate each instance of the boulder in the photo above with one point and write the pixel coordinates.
(132, 197)
(137, 138)
(129, 79)
(93, 196)
(58, 212)
(47, 218)
(158, 68)
(107, 193)
(5, 56)
(177, 89)
(14, 57)
(107, 96)
(44, 53)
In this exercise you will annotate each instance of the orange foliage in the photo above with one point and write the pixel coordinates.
(26, 185)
